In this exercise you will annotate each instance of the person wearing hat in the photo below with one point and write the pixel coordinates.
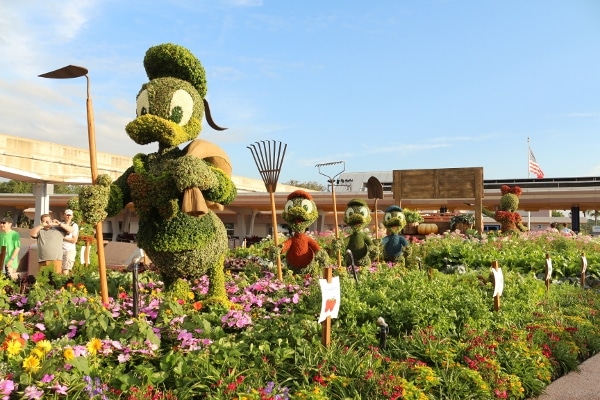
(12, 241)
(49, 235)
(69, 244)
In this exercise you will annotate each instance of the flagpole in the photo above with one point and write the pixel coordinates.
(528, 161)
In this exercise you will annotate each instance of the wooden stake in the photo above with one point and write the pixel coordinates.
(276, 235)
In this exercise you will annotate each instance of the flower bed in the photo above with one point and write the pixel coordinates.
(445, 341)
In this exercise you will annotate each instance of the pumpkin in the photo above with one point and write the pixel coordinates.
(426, 229)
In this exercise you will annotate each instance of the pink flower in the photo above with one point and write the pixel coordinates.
(6, 387)
(36, 337)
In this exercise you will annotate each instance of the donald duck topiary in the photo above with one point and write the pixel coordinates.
(507, 216)
(173, 189)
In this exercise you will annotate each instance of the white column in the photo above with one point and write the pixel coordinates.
(42, 192)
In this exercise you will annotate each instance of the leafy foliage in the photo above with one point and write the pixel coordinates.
(444, 342)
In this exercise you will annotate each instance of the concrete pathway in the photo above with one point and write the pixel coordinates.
(577, 385)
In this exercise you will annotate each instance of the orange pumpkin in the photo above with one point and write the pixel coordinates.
(427, 229)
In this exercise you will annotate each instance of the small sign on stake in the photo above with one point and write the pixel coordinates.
(498, 284)
(330, 303)
(330, 300)
(583, 269)
(548, 271)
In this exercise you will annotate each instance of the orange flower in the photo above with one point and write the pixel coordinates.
(197, 305)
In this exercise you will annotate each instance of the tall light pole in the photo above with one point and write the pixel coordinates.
(68, 72)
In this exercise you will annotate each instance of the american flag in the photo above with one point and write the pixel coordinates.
(534, 167)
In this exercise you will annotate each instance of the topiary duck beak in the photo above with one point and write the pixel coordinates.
(151, 128)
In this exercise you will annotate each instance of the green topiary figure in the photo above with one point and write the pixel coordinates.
(394, 243)
(509, 219)
(359, 242)
(173, 189)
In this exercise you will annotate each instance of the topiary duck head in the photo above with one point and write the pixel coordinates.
(357, 214)
(300, 211)
(170, 107)
(394, 219)
(510, 198)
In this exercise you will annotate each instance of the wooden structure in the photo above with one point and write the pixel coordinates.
(442, 185)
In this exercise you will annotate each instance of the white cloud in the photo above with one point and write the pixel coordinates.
(583, 114)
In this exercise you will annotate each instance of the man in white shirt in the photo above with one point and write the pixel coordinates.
(69, 243)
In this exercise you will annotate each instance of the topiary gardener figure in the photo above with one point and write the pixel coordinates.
(359, 243)
(394, 243)
(509, 219)
(173, 188)
(300, 211)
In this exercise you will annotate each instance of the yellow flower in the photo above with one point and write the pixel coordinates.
(68, 353)
(39, 353)
(94, 345)
(14, 347)
(44, 345)
(191, 295)
(31, 364)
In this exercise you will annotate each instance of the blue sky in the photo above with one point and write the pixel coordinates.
(380, 85)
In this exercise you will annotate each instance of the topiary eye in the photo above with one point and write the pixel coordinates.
(387, 217)
(142, 103)
(182, 107)
(349, 212)
(289, 204)
(176, 114)
(307, 205)
(364, 211)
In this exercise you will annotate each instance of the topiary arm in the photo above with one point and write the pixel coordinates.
(93, 200)
(190, 172)
(488, 213)
(121, 183)
(224, 192)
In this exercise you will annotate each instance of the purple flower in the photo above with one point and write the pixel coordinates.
(60, 389)
(236, 319)
(33, 393)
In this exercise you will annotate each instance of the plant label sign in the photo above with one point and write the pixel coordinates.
(330, 300)
(548, 269)
(583, 264)
(498, 281)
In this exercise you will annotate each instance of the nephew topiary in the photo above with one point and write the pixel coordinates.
(359, 242)
(394, 243)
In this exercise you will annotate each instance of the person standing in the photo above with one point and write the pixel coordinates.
(566, 230)
(49, 235)
(69, 244)
(12, 240)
